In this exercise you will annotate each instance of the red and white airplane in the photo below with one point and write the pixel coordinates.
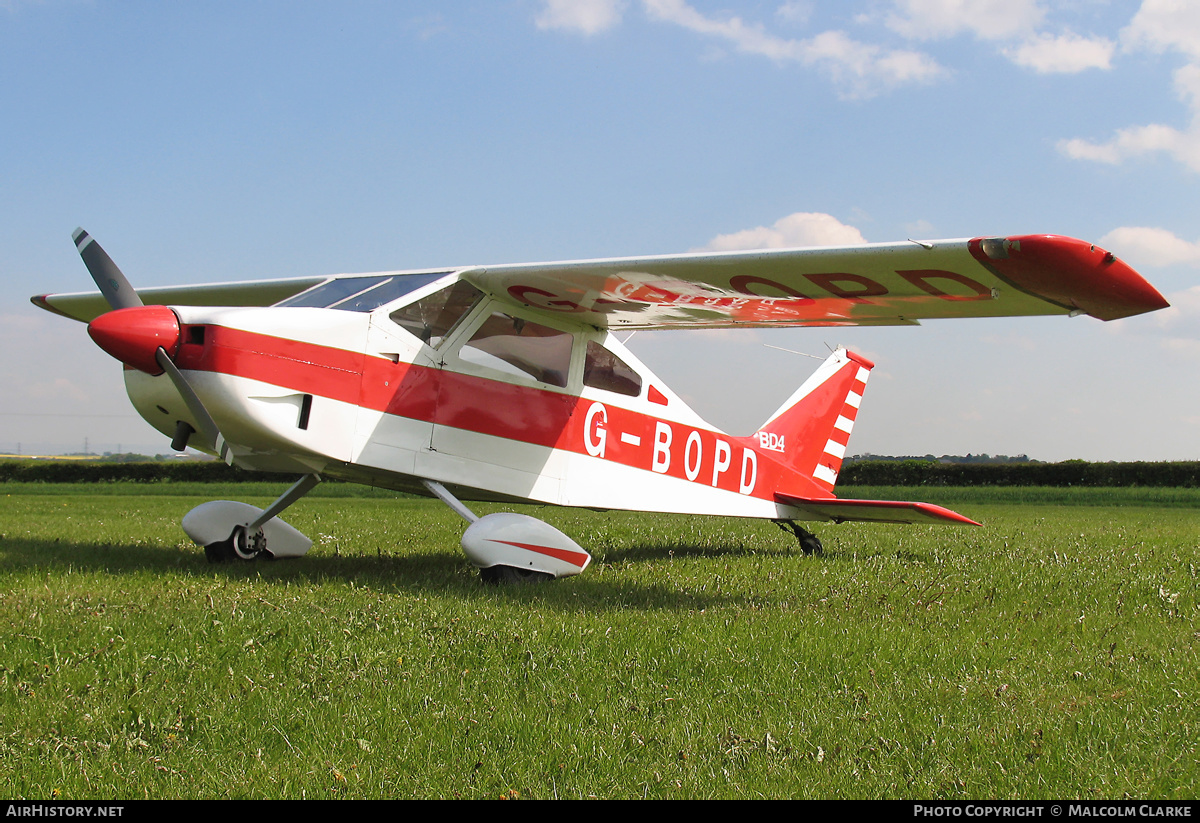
(507, 383)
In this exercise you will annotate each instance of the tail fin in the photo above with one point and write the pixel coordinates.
(812, 428)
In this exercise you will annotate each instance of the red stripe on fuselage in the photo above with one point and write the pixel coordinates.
(496, 408)
(290, 364)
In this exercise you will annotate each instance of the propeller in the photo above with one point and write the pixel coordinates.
(208, 426)
(144, 337)
(112, 283)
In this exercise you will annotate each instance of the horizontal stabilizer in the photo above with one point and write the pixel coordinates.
(874, 511)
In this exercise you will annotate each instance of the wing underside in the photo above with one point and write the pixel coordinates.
(881, 284)
(877, 284)
(87, 306)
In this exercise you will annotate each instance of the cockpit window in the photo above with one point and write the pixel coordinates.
(432, 317)
(604, 370)
(361, 293)
(515, 346)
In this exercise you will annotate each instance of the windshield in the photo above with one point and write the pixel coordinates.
(361, 293)
(432, 317)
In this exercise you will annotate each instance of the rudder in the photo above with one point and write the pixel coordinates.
(811, 429)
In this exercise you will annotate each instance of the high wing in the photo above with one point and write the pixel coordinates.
(87, 306)
(874, 284)
(877, 284)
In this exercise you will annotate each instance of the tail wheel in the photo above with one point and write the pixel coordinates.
(809, 542)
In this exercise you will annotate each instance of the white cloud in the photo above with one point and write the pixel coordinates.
(1162, 25)
(920, 228)
(1139, 141)
(582, 16)
(795, 11)
(986, 19)
(798, 229)
(1068, 53)
(858, 69)
(1014, 21)
(1182, 145)
(1159, 26)
(1187, 85)
(1146, 246)
(861, 69)
(752, 38)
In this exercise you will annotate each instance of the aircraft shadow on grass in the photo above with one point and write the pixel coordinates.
(388, 573)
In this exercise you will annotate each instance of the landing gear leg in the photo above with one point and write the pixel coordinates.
(809, 542)
(248, 541)
(510, 548)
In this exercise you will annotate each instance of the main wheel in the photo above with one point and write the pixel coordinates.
(241, 545)
(248, 546)
(511, 575)
(219, 552)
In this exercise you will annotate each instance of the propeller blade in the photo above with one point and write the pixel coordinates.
(121, 295)
(113, 285)
(208, 426)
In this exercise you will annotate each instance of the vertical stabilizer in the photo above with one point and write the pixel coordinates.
(810, 431)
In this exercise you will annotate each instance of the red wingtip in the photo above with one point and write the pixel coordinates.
(1072, 273)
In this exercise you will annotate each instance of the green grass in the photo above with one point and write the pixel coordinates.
(1052, 654)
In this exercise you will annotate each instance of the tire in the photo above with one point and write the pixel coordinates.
(512, 576)
(219, 552)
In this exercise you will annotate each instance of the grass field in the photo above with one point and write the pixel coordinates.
(1052, 654)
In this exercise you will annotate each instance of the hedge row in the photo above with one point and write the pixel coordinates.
(865, 473)
(1070, 473)
(86, 471)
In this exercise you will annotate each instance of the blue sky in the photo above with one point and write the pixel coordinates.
(244, 140)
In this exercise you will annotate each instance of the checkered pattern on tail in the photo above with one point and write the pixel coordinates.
(829, 462)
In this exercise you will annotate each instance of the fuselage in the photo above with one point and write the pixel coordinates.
(466, 391)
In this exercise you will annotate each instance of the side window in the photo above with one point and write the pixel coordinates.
(431, 317)
(515, 346)
(604, 370)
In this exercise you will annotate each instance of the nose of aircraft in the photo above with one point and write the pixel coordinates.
(134, 335)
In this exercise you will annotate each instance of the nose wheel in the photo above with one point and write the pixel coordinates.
(241, 545)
